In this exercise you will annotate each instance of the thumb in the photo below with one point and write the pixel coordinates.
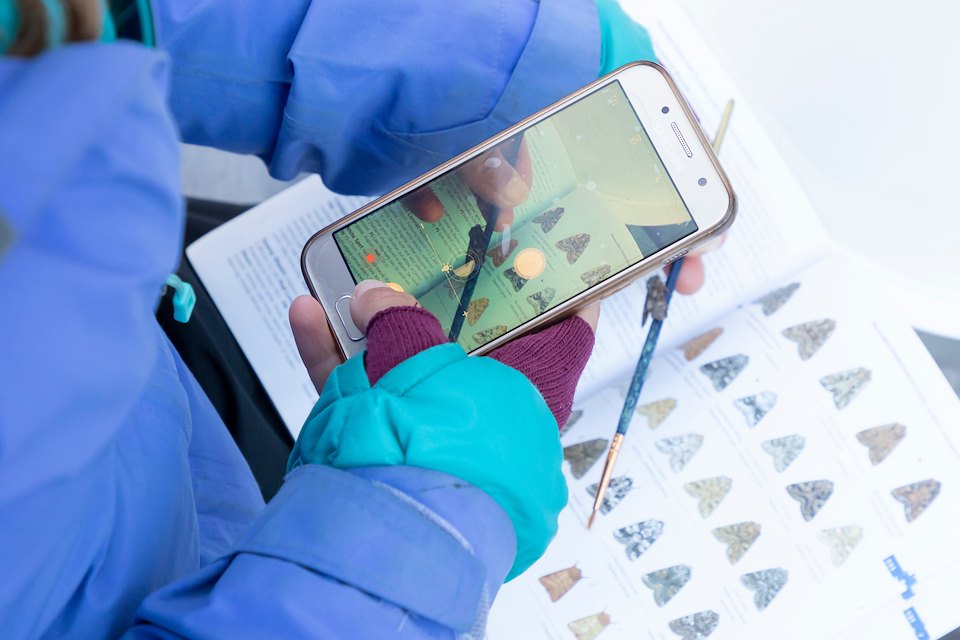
(373, 296)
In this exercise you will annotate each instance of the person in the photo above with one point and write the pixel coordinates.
(126, 508)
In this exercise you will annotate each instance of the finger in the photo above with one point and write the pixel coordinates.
(493, 179)
(424, 204)
(504, 219)
(692, 277)
(591, 315)
(316, 344)
(372, 296)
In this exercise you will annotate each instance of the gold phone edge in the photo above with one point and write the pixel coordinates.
(592, 295)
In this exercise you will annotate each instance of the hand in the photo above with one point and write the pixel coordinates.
(692, 277)
(491, 178)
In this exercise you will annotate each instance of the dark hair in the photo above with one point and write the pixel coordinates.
(83, 22)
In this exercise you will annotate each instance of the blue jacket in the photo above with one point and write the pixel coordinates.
(124, 505)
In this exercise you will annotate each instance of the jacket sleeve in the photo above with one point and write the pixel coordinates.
(376, 552)
(368, 94)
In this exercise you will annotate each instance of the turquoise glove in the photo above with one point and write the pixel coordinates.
(621, 39)
(473, 418)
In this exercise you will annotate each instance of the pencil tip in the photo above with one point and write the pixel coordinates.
(590, 519)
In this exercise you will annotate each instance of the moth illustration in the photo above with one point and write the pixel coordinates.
(549, 219)
(589, 627)
(666, 583)
(655, 304)
(560, 582)
(755, 407)
(710, 491)
(784, 450)
(694, 348)
(916, 497)
(845, 385)
(514, 279)
(475, 309)
(772, 302)
(498, 255)
(841, 541)
(725, 370)
(575, 416)
(541, 300)
(882, 440)
(695, 626)
(574, 246)
(765, 584)
(656, 412)
(454, 287)
(638, 537)
(680, 449)
(810, 336)
(738, 538)
(617, 490)
(595, 275)
(584, 455)
(811, 495)
(482, 337)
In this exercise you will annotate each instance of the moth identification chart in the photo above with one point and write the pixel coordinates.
(793, 471)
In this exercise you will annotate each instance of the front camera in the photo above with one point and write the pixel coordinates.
(702, 182)
(665, 110)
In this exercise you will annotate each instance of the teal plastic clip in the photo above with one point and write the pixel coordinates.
(184, 298)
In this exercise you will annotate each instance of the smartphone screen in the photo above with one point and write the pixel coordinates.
(565, 204)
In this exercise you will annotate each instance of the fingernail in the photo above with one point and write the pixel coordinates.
(366, 285)
(516, 190)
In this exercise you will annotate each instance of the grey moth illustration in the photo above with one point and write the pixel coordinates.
(772, 302)
(694, 348)
(575, 416)
(916, 497)
(710, 491)
(574, 246)
(841, 541)
(695, 626)
(584, 455)
(882, 440)
(810, 336)
(560, 582)
(765, 584)
(514, 279)
(680, 449)
(845, 385)
(656, 412)
(655, 304)
(755, 407)
(589, 627)
(666, 583)
(541, 300)
(499, 255)
(595, 275)
(811, 495)
(784, 450)
(454, 287)
(738, 538)
(482, 337)
(475, 309)
(723, 371)
(617, 490)
(549, 219)
(637, 538)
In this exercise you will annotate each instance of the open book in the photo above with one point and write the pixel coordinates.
(792, 470)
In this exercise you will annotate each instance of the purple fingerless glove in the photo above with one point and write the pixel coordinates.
(552, 359)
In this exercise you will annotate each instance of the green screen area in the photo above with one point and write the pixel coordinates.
(575, 199)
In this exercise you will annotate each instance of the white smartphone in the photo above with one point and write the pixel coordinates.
(568, 206)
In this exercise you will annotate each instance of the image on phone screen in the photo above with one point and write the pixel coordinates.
(563, 205)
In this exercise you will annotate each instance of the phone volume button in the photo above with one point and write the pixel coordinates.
(676, 256)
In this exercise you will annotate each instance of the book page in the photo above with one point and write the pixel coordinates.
(794, 472)
(250, 266)
(776, 231)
